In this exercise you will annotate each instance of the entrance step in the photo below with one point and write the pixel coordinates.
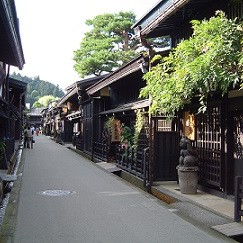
(110, 167)
(230, 229)
(7, 177)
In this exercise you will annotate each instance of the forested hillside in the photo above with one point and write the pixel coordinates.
(37, 88)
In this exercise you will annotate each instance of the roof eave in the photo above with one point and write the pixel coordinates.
(162, 11)
(128, 68)
(12, 30)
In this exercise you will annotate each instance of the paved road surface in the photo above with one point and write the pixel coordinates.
(101, 207)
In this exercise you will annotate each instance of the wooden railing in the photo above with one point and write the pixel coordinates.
(133, 162)
(100, 150)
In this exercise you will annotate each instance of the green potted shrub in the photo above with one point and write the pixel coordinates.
(126, 136)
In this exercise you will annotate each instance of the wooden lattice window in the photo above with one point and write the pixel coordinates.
(164, 125)
(208, 143)
(236, 10)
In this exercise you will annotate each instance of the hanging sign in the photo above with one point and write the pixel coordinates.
(116, 131)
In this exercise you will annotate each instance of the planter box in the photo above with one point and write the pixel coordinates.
(188, 179)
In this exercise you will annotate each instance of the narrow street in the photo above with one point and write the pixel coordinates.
(63, 197)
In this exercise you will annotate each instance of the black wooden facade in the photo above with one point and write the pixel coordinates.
(12, 92)
(218, 131)
(116, 96)
(64, 119)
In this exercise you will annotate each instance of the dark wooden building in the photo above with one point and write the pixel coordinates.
(12, 92)
(34, 117)
(218, 132)
(111, 109)
(63, 120)
(72, 110)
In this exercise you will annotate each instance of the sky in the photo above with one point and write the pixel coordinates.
(51, 30)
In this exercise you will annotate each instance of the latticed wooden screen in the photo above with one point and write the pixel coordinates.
(208, 143)
(238, 136)
(235, 10)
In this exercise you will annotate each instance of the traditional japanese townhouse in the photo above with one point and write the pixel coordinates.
(48, 119)
(77, 117)
(112, 108)
(35, 117)
(46, 130)
(64, 120)
(51, 121)
(11, 91)
(218, 131)
(16, 121)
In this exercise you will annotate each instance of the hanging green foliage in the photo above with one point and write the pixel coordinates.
(210, 60)
(126, 135)
(131, 135)
(108, 129)
(138, 128)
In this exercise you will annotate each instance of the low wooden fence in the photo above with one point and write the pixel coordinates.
(125, 158)
(100, 150)
(135, 163)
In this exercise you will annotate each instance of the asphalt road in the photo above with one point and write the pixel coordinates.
(62, 197)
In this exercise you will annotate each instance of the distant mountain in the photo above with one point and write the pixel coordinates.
(37, 88)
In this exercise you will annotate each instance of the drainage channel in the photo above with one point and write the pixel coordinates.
(6, 197)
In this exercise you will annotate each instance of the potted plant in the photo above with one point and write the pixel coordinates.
(188, 167)
(126, 136)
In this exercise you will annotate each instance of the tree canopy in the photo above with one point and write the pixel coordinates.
(208, 61)
(44, 101)
(37, 88)
(107, 45)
